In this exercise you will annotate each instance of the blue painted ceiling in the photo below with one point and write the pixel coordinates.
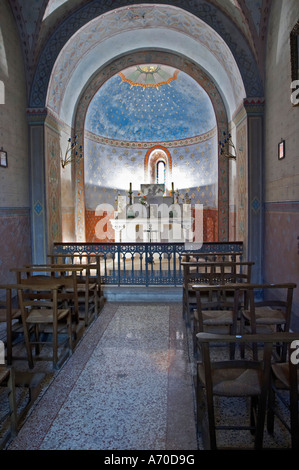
(150, 103)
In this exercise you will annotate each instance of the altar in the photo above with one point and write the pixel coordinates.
(152, 217)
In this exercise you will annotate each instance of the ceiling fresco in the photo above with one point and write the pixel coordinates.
(46, 26)
(40, 17)
(116, 33)
(150, 103)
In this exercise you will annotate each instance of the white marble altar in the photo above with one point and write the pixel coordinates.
(159, 220)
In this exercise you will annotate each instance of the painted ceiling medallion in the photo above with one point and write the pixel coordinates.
(148, 76)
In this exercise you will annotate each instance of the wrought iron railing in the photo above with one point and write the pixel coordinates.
(141, 263)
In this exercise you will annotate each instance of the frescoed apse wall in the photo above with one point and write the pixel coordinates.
(142, 108)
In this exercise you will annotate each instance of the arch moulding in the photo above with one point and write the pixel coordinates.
(147, 162)
(165, 58)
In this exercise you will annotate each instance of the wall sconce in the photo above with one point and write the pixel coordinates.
(3, 158)
(226, 145)
(281, 149)
(71, 153)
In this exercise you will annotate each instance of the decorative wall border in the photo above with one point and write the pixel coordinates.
(203, 10)
(148, 145)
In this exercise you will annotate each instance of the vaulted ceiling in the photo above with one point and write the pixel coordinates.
(38, 19)
(224, 37)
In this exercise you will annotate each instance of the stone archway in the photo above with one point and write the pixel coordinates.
(151, 158)
(180, 63)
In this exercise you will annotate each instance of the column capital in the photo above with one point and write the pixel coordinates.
(36, 115)
(254, 106)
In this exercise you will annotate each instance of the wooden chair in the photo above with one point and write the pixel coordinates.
(7, 380)
(284, 391)
(215, 310)
(194, 273)
(87, 288)
(87, 291)
(93, 260)
(11, 316)
(270, 313)
(39, 273)
(39, 308)
(246, 378)
(210, 272)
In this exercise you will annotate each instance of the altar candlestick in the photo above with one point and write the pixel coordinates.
(172, 189)
(130, 194)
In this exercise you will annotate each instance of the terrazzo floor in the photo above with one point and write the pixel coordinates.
(128, 385)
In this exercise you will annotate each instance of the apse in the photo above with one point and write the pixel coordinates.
(144, 107)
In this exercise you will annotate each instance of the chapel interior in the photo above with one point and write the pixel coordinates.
(136, 132)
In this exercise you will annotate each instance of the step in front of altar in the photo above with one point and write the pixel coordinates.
(142, 293)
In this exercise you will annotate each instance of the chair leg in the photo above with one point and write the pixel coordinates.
(28, 346)
(270, 411)
(37, 337)
(13, 403)
(259, 434)
(55, 344)
(86, 303)
(9, 342)
(253, 414)
(202, 415)
(294, 418)
(70, 331)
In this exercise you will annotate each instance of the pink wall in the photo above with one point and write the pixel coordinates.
(15, 241)
(281, 257)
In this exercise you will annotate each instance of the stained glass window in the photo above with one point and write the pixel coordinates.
(161, 172)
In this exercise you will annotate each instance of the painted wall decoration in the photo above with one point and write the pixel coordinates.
(124, 120)
(218, 105)
(150, 112)
(53, 186)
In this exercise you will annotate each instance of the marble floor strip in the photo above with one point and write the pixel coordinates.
(128, 385)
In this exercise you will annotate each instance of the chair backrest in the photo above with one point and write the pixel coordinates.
(210, 363)
(216, 272)
(278, 296)
(201, 257)
(67, 269)
(38, 296)
(93, 260)
(264, 362)
(217, 297)
(42, 275)
(242, 383)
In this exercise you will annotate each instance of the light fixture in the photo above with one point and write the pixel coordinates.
(72, 153)
(226, 145)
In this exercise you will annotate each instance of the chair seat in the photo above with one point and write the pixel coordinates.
(234, 382)
(219, 317)
(45, 315)
(266, 316)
